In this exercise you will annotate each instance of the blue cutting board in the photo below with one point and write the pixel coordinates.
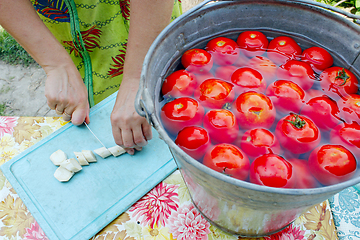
(96, 195)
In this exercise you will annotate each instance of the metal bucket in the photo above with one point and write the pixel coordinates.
(236, 206)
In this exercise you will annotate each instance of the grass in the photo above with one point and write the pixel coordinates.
(11, 52)
(2, 109)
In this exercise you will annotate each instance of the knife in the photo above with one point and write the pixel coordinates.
(94, 135)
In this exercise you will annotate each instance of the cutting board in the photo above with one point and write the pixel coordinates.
(96, 195)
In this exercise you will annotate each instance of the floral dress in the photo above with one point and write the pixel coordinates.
(104, 26)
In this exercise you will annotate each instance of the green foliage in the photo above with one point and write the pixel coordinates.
(2, 109)
(353, 6)
(11, 52)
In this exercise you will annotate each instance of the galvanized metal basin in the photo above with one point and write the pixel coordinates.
(236, 206)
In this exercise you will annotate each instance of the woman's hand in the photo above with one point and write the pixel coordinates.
(66, 93)
(130, 130)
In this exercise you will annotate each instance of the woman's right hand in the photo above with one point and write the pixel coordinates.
(66, 93)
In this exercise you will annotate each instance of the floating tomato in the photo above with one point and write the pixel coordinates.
(224, 50)
(318, 57)
(337, 82)
(259, 141)
(193, 140)
(273, 171)
(297, 133)
(248, 79)
(197, 60)
(181, 112)
(350, 108)
(179, 84)
(347, 135)
(221, 125)
(303, 176)
(254, 110)
(298, 72)
(265, 66)
(225, 72)
(286, 96)
(253, 43)
(282, 49)
(228, 159)
(331, 164)
(215, 93)
(323, 111)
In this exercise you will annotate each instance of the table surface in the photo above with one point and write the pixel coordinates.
(166, 212)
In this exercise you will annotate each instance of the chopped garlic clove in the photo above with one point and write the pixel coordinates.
(71, 164)
(117, 150)
(58, 157)
(102, 152)
(80, 157)
(62, 174)
(89, 156)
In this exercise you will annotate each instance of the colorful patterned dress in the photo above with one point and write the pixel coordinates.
(104, 26)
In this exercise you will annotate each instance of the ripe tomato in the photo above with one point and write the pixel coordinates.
(201, 77)
(225, 72)
(193, 140)
(221, 125)
(248, 79)
(283, 48)
(253, 110)
(215, 93)
(323, 111)
(265, 66)
(253, 43)
(181, 112)
(228, 159)
(272, 170)
(298, 134)
(259, 141)
(224, 50)
(197, 60)
(338, 82)
(298, 72)
(286, 96)
(350, 108)
(331, 164)
(318, 58)
(347, 135)
(178, 84)
(303, 176)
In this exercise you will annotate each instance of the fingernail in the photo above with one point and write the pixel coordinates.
(130, 151)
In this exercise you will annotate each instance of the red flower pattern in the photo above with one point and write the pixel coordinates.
(125, 9)
(35, 233)
(118, 63)
(7, 125)
(289, 233)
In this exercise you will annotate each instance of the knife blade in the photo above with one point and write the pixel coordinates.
(94, 135)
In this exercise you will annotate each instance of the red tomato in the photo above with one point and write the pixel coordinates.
(253, 43)
(228, 159)
(248, 79)
(225, 72)
(221, 125)
(323, 111)
(181, 112)
(253, 110)
(350, 108)
(318, 58)
(303, 176)
(259, 141)
(298, 72)
(286, 96)
(347, 135)
(338, 82)
(197, 60)
(272, 170)
(311, 93)
(331, 164)
(265, 66)
(215, 93)
(193, 140)
(297, 134)
(179, 83)
(283, 48)
(224, 50)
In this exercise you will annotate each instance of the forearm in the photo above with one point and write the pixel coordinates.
(148, 19)
(19, 18)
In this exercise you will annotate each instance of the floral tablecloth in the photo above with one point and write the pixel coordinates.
(165, 213)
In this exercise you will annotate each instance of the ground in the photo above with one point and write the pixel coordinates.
(22, 88)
